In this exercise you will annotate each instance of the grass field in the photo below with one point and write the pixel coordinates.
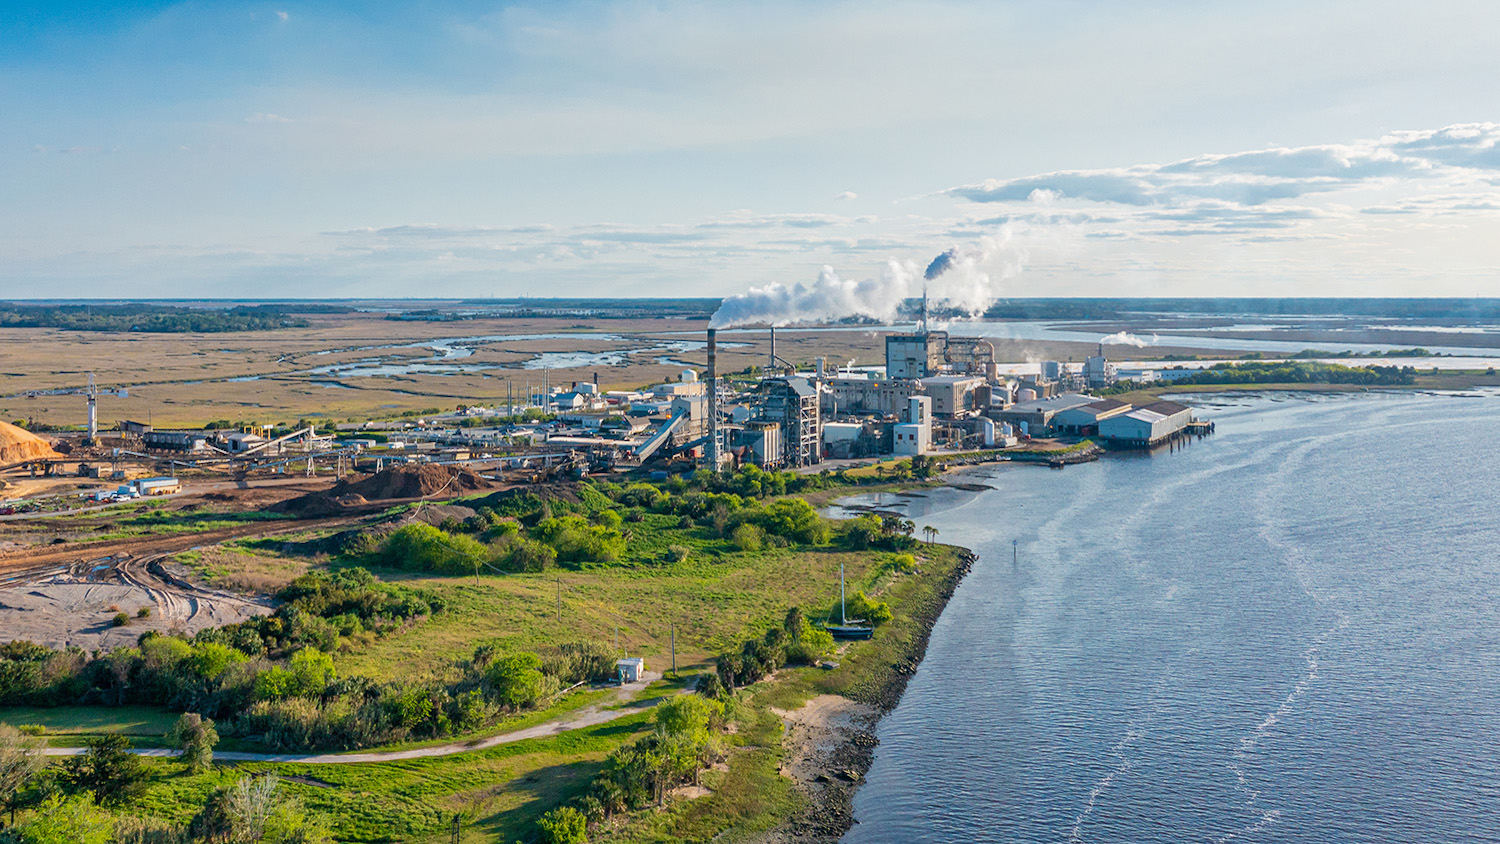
(92, 720)
(713, 600)
(499, 792)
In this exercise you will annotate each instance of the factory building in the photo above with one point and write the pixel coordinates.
(957, 396)
(1034, 417)
(184, 441)
(914, 355)
(763, 439)
(1097, 372)
(866, 395)
(1084, 419)
(792, 403)
(1146, 426)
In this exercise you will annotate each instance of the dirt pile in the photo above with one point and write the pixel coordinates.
(565, 493)
(414, 480)
(17, 444)
(411, 480)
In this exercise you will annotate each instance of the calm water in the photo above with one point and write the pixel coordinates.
(1287, 632)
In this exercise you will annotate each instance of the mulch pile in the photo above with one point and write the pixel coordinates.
(409, 480)
(17, 444)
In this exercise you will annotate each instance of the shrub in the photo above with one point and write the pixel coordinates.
(70, 820)
(577, 541)
(579, 662)
(858, 606)
(748, 537)
(795, 519)
(195, 736)
(677, 553)
(518, 680)
(422, 547)
(527, 555)
(120, 620)
(143, 612)
(563, 825)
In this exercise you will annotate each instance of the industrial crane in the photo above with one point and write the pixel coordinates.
(92, 392)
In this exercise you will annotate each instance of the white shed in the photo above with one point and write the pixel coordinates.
(631, 668)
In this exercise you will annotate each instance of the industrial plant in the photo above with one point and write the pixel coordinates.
(937, 393)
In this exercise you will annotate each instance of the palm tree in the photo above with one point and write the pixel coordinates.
(932, 533)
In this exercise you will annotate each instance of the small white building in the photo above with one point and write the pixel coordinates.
(631, 668)
(157, 486)
(240, 441)
(914, 436)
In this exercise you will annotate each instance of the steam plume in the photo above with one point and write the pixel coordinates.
(1122, 338)
(828, 298)
(940, 264)
(956, 279)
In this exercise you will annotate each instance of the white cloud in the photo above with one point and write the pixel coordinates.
(282, 15)
(1258, 177)
(266, 117)
(848, 194)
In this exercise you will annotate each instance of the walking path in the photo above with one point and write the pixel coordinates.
(592, 715)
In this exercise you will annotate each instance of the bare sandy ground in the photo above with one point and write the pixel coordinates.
(828, 744)
(76, 605)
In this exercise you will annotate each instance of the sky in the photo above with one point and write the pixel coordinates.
(466, 149)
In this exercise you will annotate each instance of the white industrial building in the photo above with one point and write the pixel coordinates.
(1034, 417)
(956, 396)
(1085, 419)
(1146, 426)
(914, 436)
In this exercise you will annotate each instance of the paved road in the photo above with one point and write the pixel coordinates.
(589, 716)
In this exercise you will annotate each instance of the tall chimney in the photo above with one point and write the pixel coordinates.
(711, 450)
(773, 347)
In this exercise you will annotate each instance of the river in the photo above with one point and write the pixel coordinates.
(1285, 632)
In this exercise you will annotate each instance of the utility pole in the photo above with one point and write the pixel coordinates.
(455, 828)
(1015, 554)
(559, 600)
(674, 649)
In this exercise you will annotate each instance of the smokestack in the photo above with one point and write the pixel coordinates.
(711, 451)
(773, 347)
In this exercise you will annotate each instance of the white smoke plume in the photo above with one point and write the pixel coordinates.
(964, 277)
(828, 298)
(1123, 338)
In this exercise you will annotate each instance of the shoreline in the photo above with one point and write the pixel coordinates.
(829, 742)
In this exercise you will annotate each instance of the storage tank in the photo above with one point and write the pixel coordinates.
(1026, 394)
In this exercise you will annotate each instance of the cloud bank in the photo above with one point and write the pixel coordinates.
(1261, 176)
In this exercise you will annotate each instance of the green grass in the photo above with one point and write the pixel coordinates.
(715, 600)
(562, 706)
(499, 792)
(752, 796)
(92, 720)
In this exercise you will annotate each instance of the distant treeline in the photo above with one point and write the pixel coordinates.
(555, 308)
(1113, 308)
(161, 319)
(1303, 372)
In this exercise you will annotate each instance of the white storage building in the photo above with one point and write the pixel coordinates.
(1146, 426)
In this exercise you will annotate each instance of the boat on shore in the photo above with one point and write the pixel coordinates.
(848, 628)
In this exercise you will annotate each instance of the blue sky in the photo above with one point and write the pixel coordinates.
(485, 149)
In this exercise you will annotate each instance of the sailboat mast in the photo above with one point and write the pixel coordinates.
(843, 618)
